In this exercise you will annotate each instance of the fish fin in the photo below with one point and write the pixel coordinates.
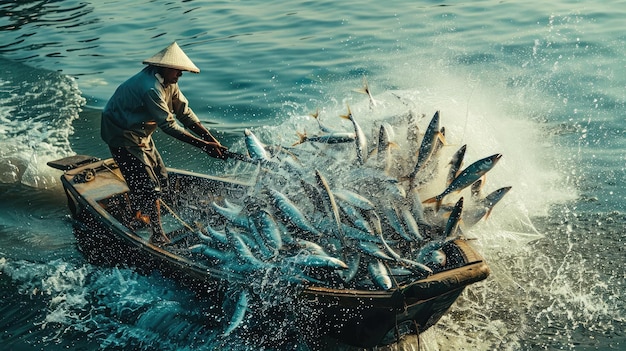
(315, 114)
(302, 137)
(430, 200)
(435, 199)
(442, 138)
(348, 115)
(488, 213)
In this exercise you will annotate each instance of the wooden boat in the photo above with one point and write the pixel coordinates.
(98, 201)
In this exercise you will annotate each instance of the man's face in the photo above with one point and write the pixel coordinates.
(170, 75)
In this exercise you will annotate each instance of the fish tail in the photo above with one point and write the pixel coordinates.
(436, 200)
(348, 115)
(302, 137)
(315, 114)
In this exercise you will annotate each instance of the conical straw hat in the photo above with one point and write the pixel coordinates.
(172, 57)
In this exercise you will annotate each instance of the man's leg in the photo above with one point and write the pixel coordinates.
(144, 191)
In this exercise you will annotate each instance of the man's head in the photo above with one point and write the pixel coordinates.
(172, 57)
(170, 75)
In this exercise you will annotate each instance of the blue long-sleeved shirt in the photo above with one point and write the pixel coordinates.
(138, 107)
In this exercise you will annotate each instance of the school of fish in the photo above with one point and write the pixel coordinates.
(342, 209)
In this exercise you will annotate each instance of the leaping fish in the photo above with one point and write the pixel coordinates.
(331, 138)
(366, 90)
(468, 176)
(256, 149)
(484, 207)
(453, 221)
(323, 128)
(428, 144)
(455, 164)
(361, 141)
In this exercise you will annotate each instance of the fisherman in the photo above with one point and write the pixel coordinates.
(148, 100)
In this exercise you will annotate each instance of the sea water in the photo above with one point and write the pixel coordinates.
(543, 83)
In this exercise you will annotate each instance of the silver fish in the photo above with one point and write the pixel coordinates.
(231, 215)
(329, 200)
(211, 252)
(353, 262)
(361, 141)
(373, 250)
(428, 144)
(354, 199)
(268, 229)
(323, 128)
(468, 176)
(331, 138)
(291, 212)
(242, 250)
(411, 224)
(256, 149)
(267, 250)
(484, 207)
(455, 164)
(413, 264)
(391, 214)
(383, 149)
(318, 261)
(453, 221)
(366, 90)
(380, 274)
(240, 311)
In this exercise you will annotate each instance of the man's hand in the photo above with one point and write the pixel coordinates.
(215, 150)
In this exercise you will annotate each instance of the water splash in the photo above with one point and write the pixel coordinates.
(38, 108)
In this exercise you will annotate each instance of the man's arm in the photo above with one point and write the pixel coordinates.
(203, 133)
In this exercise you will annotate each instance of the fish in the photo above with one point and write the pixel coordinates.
(453, 221)
(410, 224)
(317, 261)
(267, 250)
(331, 138)
(476, 189)
(256, 149)
(391, 214)
(380, 274)
(268, 229)
(238, 315)
(210, 252)
(366, 90)
(373, 250)
(232, 215)
(431, 135)
(329, 200)
(455, 164)
(482, 209)
(291, 212)
(354, 199)
(354, 263)
(360, 139)
(383, 148)
(242, 250)
(468, 176)
(413, 264)
(310, 247)
(323, 128)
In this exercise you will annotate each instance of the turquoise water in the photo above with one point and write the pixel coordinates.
(541, 83)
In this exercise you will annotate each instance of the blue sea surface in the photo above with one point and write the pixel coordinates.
(543, 83)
